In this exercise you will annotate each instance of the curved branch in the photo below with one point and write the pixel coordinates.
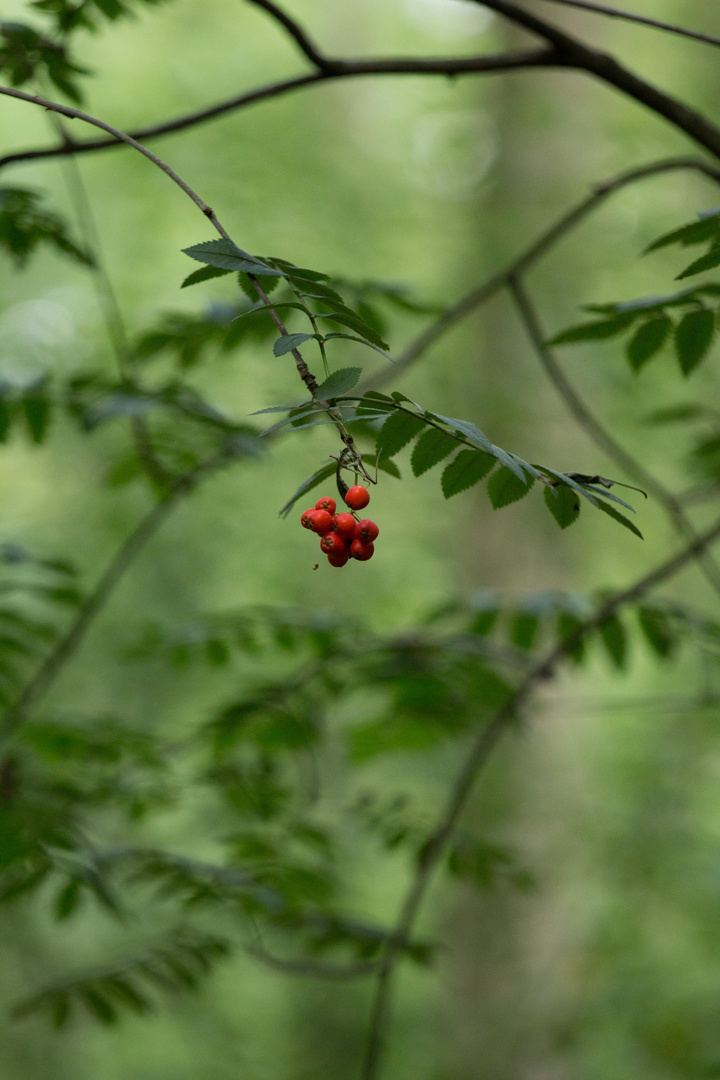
(630, 16)
(602, 438)
(575, 54)
(296, 32)
(477, 758)
(333, 69)
(472, 300)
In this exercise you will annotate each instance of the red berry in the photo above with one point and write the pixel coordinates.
(326, 503)
(322, 522)
(366, 530)
(308, 518)
(339, 557)
(362, 551)
(345, 525)
(357, 497)
(332, 541)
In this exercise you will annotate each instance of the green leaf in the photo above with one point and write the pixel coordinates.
(593, 331)
(648, 340)
(289, 342)
(37, 412)
(617, 516)
(397, 431)
(656, 627)
(504, 488)
(362, 341)
(524, 629)
(563, 503)
(567, 624)
(472, 433)
(693, 337)
(707, 261)
(205, 273)
(430, 449)
(694, 233)
(338, 382)
(468, 468)
(228, 256)
(354, 322)
(267, 284)
(308, 485)
(613, 636)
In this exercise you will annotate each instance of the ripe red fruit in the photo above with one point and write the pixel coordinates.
(332, 541)
(308, 516)
(366, 530)
(326, 503)
(322, 522)
(345, 525)
(362, 551)
(339, 557)
(357, 497)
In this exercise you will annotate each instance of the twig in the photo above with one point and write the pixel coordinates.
(630, 16)
(315, 969)
(50, 668)
(575, 54)
(472, 300)
(597, 432)
(452, 66)
(477, 758)
(296, 32)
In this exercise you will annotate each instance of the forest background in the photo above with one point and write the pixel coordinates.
(596, 952)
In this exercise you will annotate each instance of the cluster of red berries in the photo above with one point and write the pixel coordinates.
(342, 536)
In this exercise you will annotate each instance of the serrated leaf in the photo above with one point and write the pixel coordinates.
(612, 633)
(593, 331)
(468, 468)
(693, 337)
(469, 430)
(707, 261)
(205, 273)
(338, 382)
(694, 233)
(362, 341)
(430, 449)
(308, 485)
(267, 284)
(228, 256)
(617, 516)
(656, 627)
(399, 429)
(563, 503)
(289, 342)
(514, 464)
(648, 340)
(354, 322)
(504, 487)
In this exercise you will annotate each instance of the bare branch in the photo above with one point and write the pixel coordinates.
(575, 54)
(474, 299)
(296, 32)
(599, 434)
(643, 20)
(480, 753)
(334, 69)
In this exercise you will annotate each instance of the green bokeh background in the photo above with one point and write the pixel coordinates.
(611, 966)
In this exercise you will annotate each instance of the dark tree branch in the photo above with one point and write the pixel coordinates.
(296, 32)
(450, 67)
(643, 20)
(575, 54)
(474, 299)
(600, 435)
(472, 766)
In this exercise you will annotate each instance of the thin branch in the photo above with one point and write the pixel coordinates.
(630, 16)
(598, 433)
(316, 969)
(296, 32)
(450, 67)
(472, 766)
(472, 300)
(68, 645)
(575, 54)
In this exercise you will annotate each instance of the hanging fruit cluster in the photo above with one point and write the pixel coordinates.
(343, 536)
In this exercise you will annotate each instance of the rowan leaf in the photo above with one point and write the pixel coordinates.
(338, 382)
(693, 337)
(504, 487)
(465, 470)
(397, 431)
(430, 449)
(648, 340)
(228, 256)
(563, 503)
(288, 342)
